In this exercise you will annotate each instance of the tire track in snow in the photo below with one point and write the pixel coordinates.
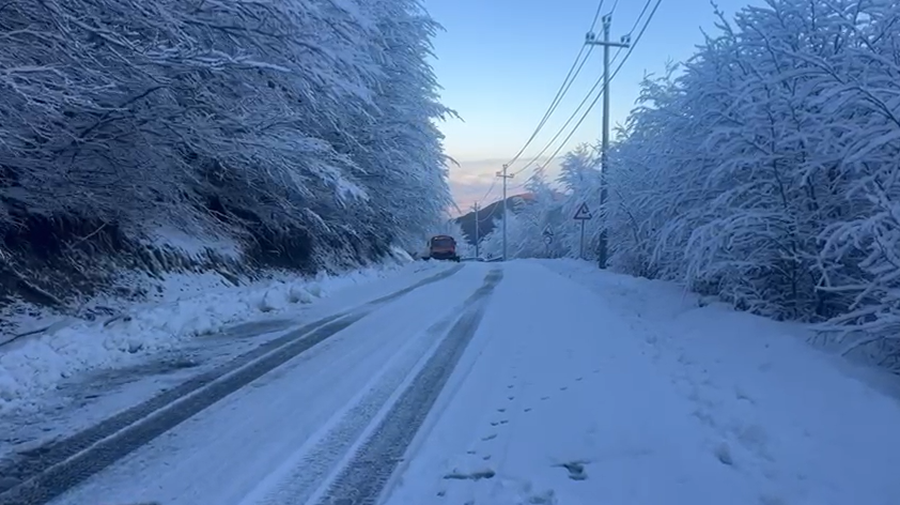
(362, 480)
(39, 475)
(299, 477)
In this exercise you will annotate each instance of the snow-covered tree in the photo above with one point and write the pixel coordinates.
(491, 245)
(579, 179)
(544, 211)
(766, 169)
(305, 125)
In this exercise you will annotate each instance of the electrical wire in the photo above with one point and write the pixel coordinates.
(574, 70)
(592, 90)
(572, 74)
(496, 206)
(615, 4)
(481, 218)
(641, 15)
(597, 98)
(578, 64)
(597, 14)
(563, 127)
(491, 188)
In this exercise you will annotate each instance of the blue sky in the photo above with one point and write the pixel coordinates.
(501, 62)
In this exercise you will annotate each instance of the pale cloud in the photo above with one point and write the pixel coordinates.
(471, 180)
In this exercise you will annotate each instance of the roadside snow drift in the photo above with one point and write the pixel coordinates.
(34, 364)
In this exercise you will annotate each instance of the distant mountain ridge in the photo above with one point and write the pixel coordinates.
(488, 215)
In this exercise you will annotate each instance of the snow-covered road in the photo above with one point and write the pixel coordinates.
(498, 384)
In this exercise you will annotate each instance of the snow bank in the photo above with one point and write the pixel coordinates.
(809, 426)
(187, 306)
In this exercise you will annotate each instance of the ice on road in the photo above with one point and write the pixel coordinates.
(527, 382)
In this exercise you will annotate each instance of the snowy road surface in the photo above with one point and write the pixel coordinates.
(496, 384)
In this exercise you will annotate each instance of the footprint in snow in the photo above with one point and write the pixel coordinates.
(564, 388)
(575, 469)
(477, 475)
(489, 437)
(740, 394)
(723, 454)
(579, 379)
(528, 409)
(545, 398)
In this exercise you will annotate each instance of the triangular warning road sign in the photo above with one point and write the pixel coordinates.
(583, 212)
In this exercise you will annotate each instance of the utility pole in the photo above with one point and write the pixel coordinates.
(505, 177)
(591, 39)
(476, 232)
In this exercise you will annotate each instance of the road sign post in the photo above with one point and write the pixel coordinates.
(548, 239)
(583, 214)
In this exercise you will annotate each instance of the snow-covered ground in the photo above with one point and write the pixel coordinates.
(275, 441)
(33, 367)
(623, 391)
(577, 387)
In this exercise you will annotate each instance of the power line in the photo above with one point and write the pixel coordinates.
(491, 213)
(615, 72)
(573, 72)
(597, 13)
(563, 127)
(578, 64)
(641, 15)
(615, 4)
(592, 90)
(491, 188)
(560, 93)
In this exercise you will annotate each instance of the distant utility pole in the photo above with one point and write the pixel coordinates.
(505, 177)
(591, 39)
(476, 231)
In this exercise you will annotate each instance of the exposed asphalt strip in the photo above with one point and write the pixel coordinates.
(39, 475)
(363, 479)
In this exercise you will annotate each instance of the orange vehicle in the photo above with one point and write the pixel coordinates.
(442, 247)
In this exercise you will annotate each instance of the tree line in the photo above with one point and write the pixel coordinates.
(764, 170)
(299, 129)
